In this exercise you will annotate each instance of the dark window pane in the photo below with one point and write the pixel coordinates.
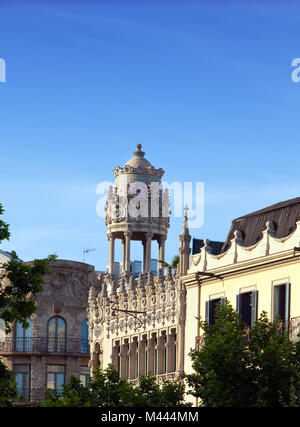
(279, 301)
(212, 310)
(246, 308)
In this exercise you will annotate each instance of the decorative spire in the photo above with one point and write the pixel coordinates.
(139, 152)
(185, 226)
(184, 250)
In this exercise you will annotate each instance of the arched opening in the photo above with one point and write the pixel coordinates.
(56, 335)
(85, 347)
(23, 337)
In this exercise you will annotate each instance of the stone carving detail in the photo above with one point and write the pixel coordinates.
(158, 302)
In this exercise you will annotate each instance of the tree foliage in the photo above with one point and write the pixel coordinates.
(20, 282)
(234, 369)
(175, 261)
(106, 389)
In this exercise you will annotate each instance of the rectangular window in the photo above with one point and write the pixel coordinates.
(137, 361)
(246, 306)
(56, 377)
(210, 309)
(281, 302)
(84, 375)
(127, 354)
(155, 357)
(22, 377)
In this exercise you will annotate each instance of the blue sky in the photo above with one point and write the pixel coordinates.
(205, 87)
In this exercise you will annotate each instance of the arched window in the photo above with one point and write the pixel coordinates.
(56, 338)
(24, 336)
(85, 347)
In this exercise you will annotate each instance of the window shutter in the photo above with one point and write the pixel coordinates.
(223, 301)
(238, 303)
(275, 302)
(207, 312)
(287, 301)
(254, 295)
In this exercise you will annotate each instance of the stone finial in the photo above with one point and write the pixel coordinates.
(270, 228)
(185, 227)
(160, 275)
(150, 281)
(207, 247)
(238, 237)
(123, 284)
(184, 250)
(92, 292)
(141, 280)
(169, 275)
(141, 284)
(114, 287)
(131, 284)
(139, 152)
(160, 279)
(104, 289)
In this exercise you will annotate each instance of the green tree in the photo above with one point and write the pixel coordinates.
(106, 389)
(175, 261)
(232, 369)
(20, 282)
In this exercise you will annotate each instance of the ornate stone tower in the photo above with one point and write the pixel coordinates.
(138, 323)
(137, 209)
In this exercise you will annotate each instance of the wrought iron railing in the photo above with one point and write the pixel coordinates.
(291, 326)
(32, 395)
(44, 345)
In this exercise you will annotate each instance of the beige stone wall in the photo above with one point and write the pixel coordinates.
(259, 274)
(65, 294)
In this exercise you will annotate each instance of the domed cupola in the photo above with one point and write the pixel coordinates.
(137, 209)
(138, 169)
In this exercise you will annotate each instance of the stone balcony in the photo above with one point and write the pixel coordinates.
(44, 345)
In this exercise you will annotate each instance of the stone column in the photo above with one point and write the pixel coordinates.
(127, 250)
(161, 252)
(148, 251)
(144, 242)
(171, 356)
(111, 253)
(124, 359)
(132, 359)
(123, 255)
(161, 347)
(142, 357)
(151, 355)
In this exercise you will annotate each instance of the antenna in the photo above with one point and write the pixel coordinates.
(84, 252)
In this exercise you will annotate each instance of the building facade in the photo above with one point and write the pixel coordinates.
(144, 323)
(149, 325)
(138, 323)
(55, 345)
(256, 270)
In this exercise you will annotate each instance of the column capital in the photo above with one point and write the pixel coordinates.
(162, 239)
(149, 235)
(110, 236)
(128, 234)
